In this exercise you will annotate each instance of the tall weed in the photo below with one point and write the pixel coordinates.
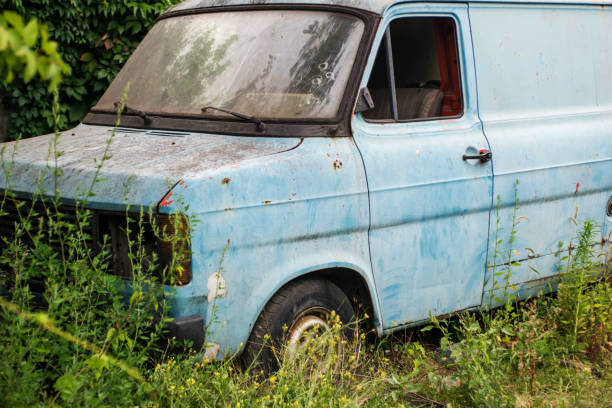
(70, 334)
(584, 309)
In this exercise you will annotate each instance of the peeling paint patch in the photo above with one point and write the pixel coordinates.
(226, 180)
(216, 286)
(212, 350)
(266, 202)
(166, 200)
(577, 188)
(337, 164)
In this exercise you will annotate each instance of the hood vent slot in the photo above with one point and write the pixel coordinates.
(150, 132)
(126, 130)
(171, 134)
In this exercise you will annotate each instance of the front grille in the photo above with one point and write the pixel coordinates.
(126, 250)
(129, 240)
(52, 225)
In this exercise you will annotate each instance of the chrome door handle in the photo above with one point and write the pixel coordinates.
(483, 155)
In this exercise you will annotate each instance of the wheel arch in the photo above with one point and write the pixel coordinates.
(354, 287)
(352, 281)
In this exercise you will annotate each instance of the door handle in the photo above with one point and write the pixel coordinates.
(483, 155)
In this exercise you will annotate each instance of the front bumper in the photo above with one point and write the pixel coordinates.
(187, 328)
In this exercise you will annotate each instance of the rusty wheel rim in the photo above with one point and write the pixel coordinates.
(304, 328)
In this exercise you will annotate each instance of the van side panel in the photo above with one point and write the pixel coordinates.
(264, 222)
(429, 208)
(545, 100)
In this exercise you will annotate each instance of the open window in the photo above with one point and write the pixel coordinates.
(416, 72)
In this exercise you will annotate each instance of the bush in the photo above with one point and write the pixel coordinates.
(95, 39)
(26, 48)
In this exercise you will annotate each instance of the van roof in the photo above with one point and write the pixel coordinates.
(375, 6)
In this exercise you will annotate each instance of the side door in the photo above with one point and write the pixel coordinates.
(429, 204)
(545, 100)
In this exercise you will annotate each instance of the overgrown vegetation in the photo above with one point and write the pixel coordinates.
(94, 38)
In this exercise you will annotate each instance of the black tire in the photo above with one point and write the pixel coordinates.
(290, 304)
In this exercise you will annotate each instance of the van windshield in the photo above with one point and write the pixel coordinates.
(280, 64)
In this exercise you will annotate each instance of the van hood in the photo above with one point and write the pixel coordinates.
(141, 166)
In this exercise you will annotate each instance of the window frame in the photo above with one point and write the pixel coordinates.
(338, 126)
(387, 42)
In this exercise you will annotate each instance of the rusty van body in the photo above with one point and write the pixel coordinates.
(373, 147)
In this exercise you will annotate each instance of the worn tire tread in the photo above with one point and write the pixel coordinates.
(302, 292)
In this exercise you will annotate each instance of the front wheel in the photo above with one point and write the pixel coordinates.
(290, 317)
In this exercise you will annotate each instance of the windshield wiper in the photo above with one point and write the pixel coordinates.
(260, 125)
(147, 120)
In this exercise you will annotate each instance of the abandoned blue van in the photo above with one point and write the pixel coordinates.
(352, 155)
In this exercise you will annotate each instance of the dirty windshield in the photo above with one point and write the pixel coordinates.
(269, 63)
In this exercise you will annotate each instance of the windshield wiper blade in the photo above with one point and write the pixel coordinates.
(147, 120)
(260, 125)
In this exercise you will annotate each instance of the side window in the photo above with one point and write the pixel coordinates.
(416, 72)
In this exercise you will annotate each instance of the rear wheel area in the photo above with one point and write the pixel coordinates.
(290, 318)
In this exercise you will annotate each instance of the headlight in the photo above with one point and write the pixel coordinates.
(174, 248)
(167, 237)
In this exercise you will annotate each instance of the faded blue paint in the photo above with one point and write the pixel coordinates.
(547, 113)
(425, 200)
(280, 224)
(148, 162)
(395, 203)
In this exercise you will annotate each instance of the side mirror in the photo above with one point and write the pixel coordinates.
(364, 101)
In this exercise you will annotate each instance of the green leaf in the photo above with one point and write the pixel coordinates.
(110, 334)
(534, 270)
(413, 387)
(3, 39)
(67, 386)
(30, 33)
(473, 327)
(97, 365)
(14, 19)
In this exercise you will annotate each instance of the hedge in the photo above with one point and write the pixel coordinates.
(95, 38)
